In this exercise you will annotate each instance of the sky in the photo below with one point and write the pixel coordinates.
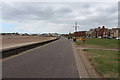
(57, 17)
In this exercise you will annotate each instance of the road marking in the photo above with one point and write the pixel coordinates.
(26, 51)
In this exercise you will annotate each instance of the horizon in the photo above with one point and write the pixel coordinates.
(54, 32)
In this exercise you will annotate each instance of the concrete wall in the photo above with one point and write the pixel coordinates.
(16, 50)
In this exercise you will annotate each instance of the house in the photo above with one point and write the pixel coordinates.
(103, 32)
(99, 32)
(90, 33)
(80, 34)
(115, 32)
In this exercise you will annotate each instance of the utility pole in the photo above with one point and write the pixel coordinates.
(76, 26)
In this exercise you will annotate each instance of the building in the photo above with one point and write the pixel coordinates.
(115, 32)
(80, 34)
(104, 32)
(90, 33)
(99, 32)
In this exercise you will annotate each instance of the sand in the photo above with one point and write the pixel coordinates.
(12, 41)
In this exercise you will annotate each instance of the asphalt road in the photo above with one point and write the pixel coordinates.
(54, 60)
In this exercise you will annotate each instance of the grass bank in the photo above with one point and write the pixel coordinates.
(105, 61)
(110, 43)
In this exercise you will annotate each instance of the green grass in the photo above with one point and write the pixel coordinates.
(105, 61)
(101, 42)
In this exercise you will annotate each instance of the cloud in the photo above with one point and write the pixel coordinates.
(59, 17)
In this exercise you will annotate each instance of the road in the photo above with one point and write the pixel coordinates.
(54, 60)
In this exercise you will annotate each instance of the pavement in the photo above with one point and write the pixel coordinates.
(100, 49)
(86, 69)
(54, 60)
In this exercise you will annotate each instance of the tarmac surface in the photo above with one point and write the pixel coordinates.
(53, 60)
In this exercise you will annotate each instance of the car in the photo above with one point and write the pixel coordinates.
(118, 38)
(110, 37)
(99, 37)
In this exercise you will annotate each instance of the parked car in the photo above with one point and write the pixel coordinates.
(99, 37)
(118, 38)
(110, 37)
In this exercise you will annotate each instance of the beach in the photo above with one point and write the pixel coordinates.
(9, 41)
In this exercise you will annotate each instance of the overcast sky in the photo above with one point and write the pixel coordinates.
(57, 17)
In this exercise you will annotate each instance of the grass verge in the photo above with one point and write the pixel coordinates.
(105, 61)
(110, 43)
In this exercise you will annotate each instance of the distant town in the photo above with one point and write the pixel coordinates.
(100, 32)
